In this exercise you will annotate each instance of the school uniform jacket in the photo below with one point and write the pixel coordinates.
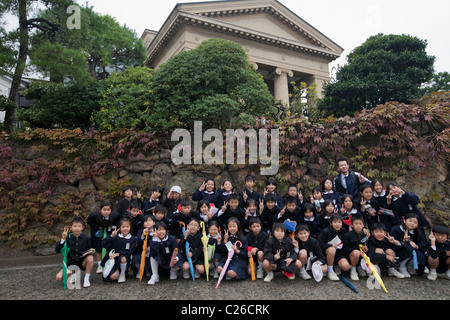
(162, 250)
(257, 241)
(122, 207)
(398, 232)
(77, 246)
(313, 224)
(195, 246)
(328, 234)
(335, 197)
(268, 217)
(311, 246)
(405, 204)
(352, 182)
(439, 251)
(148, 206)
(211, 197)
(239, 260)
(352, 240)
(285, 246)
(106, 223)
(293, 216)
(250, 195)
(123, 245)
(384, 244)
(175, 228)
(238, 213)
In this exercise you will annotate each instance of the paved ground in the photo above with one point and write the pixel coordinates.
(33, 278)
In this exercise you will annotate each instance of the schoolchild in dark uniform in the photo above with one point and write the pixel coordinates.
(148, 223)
(184, 215)
(413, 240)
(379, 193)
(310, 217)
(402, 203)
(102, 223)
(330, 193)
(438, 250)
(230, 209)
(352, 239)
(269, 212)
(135, 216)
(123, 244)
(348, 210)
(251, 211)
(383, 250)
(162, 246)
(123, 206)
(155, 199)
(79, 246)
(215, 240)
(330, 241)
(159, 212)
(279, 254)
(172, 203)
(295, 193)
(224, 192)
(248, 193)
(328, 209)
(238, 264)
(270, 189)
(256, 240)
(308, 250)
(207, 191)
(193, 236)
(290, 211)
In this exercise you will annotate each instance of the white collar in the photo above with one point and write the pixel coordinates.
(383, 193)
(208, 192)
(157, 239)
(308, 219)
(128, 236)
(328, 192)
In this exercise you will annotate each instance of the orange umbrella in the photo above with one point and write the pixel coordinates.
(252, 265)
(144, 251)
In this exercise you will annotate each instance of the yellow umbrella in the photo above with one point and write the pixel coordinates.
(252, 264)
(205, 241)
(372, 268)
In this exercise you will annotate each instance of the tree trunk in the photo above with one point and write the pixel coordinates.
(20, 66)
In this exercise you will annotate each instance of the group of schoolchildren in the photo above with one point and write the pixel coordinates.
(343, 220)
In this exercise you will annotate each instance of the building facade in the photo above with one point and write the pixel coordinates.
(280, 45)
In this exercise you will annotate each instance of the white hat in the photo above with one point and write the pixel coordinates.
(176, 189)
(317, 272)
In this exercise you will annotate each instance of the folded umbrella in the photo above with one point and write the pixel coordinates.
(104, 250)
(65, 251)
(225, 267)
(144, 251)
(347, 283)
(252, 264)
(415, 264)
(187, 249)
(174, 254)
(205, 241)
(372, 268)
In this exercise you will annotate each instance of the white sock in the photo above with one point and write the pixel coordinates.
(353, 268)
(404, 262)
(87, 276)
(123, 268)
(260, 265)
(330, 268)
(154, 265)
(432, 270)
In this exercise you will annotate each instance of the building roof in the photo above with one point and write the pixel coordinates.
(218, 16)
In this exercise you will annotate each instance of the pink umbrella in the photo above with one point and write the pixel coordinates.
(225, 267)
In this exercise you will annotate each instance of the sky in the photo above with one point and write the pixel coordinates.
(347, 22)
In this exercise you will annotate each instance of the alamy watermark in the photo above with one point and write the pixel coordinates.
(213, 153)
(74, 20)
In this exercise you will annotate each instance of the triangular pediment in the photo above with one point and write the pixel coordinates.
(267, 16)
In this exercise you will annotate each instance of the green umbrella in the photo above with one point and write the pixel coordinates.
(104, 250)
(65, 251)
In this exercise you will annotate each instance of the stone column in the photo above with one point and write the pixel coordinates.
(281, 85)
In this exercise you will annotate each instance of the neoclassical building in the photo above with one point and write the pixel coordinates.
(281, 46)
